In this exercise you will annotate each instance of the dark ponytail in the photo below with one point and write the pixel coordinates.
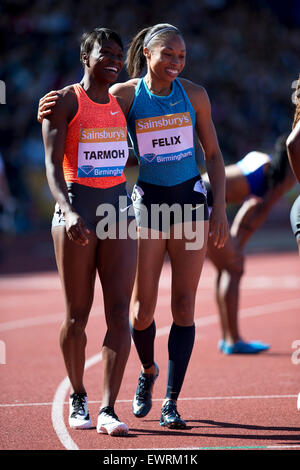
(135, 60)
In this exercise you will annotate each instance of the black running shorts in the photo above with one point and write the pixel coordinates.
(159, 207)
(92, 204)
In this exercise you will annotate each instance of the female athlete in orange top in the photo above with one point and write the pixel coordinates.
(85, 152)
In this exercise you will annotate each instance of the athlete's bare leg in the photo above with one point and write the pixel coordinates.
(116, 261)
(77, 269)
(229, 262)
(186, 267)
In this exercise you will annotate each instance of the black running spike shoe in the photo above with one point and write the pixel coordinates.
(170, 417)
(79, 417)
(142, 401)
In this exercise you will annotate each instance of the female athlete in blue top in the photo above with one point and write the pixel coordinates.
(164, 112)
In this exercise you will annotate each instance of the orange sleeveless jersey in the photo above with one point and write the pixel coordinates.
(96, 147)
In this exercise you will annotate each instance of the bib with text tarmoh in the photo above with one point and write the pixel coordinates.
(102, 152)
(165, 139)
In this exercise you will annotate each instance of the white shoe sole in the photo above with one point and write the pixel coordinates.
(113, 430)
(79, 424)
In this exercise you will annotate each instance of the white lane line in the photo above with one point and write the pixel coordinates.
(32, 321)
(41, 320)
(243, 397)
(57, 412)
(58, 404)
(271, 308)
(249, 282)
(263, 282)
(30, 283)
(162, 301)
(57, 416)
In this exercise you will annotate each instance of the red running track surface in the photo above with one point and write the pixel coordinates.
(232, 402)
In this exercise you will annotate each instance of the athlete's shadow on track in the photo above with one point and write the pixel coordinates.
(202, 424)
(273, 354)
(164, 432)
(277, 437)
(127, 436)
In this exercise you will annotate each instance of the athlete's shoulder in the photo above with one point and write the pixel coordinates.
(66, 97)
(196, 93)
(66, 93)
(124, 92)
(124, 89)
(66, 104)
(190, 86)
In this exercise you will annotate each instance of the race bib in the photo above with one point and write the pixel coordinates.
(200, 187)
(102, 152)
(137, 193)
(165, 139)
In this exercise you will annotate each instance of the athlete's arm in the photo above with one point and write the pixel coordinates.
(293, 150)
(124, 92)
(254, 211)
(213, 158)
(54, 130)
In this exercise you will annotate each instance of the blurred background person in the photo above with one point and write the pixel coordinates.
(8, 203)
(257, 182)
(293, 148)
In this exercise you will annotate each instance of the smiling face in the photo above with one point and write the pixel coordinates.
(166, 57)
(105, 60)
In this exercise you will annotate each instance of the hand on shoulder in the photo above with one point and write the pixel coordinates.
(55, 102)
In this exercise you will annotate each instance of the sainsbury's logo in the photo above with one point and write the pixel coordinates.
(170, 121)
(99, 135)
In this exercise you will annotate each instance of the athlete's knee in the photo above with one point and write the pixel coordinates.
(235, 265)
(75, 325)
(117, 315)
(183, 308)
(142, 315)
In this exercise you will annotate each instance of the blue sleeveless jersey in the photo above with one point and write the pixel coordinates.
(161, 129)
(252, 167)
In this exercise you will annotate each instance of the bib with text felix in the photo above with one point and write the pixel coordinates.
(165, 139)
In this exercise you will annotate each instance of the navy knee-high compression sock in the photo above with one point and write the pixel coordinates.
(144, 343)
(180, 346)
